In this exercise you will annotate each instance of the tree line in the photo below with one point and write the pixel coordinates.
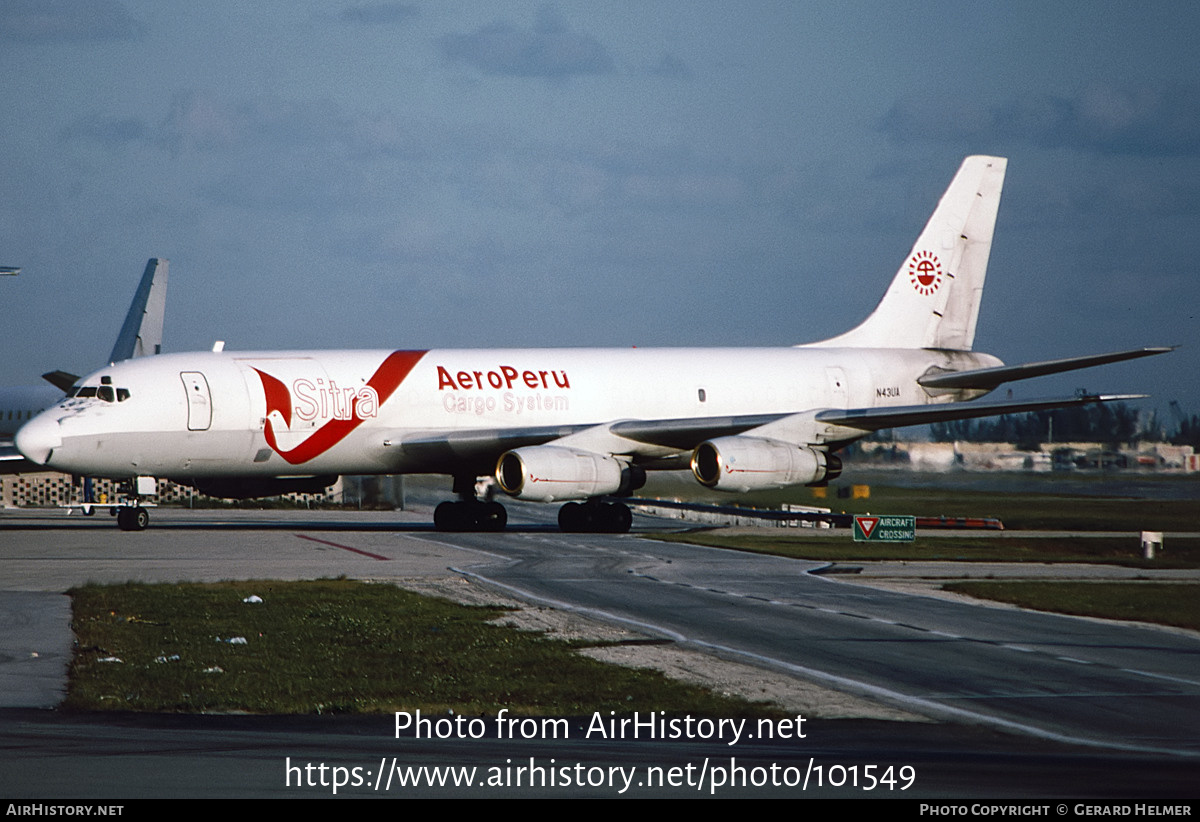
(1113, 424)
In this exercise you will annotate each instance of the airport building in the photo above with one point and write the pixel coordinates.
(50, 489)
(1006, 456)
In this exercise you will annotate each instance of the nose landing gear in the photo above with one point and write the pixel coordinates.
(132, 518)
(131, 513)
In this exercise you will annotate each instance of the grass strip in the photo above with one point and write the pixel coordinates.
(1158, 602)
(1040, 507)
(341, 646)
(1182, 552)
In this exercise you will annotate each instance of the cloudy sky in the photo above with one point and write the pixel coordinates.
(418, 174)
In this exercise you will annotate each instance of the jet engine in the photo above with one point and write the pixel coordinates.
(545, 473)
(755, 463)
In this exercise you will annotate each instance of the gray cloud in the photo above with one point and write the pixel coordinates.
(65, 21)
(108, 131)
(374, 14)
(549, 49)
(672, 67)
(1106, 118)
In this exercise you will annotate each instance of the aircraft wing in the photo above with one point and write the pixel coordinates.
(479, 449)
(686, 434)
(989, 378)
(873, 419)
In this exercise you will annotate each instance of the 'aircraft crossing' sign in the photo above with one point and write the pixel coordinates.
(885, 528)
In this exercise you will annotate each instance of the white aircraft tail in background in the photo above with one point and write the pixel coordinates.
(141, 334)
(580, 426)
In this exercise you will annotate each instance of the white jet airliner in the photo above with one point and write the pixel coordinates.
(576, 425)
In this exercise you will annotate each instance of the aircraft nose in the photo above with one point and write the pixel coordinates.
(38, 438)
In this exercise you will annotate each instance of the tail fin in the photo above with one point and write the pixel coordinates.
(933, 302)
(141, 335)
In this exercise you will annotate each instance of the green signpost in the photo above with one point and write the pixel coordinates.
(884, 528)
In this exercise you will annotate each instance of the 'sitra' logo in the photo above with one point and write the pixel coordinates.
(925, 272)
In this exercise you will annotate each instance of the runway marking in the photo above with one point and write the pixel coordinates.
(345, 547)
(914, 702)
(1180, 680)
(459, 547)
(919, 704)
(1000, 696)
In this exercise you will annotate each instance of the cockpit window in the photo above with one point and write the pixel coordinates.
(106, 393)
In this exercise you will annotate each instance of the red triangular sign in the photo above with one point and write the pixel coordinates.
(867, 524)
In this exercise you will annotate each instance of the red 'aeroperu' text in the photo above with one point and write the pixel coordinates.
(503, 377)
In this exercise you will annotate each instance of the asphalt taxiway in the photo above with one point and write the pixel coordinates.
(1093, 696)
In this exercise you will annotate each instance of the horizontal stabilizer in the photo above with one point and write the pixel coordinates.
(874, 419)
(989, 378)
(61, 380)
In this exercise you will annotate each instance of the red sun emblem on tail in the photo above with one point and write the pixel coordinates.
(925, 272)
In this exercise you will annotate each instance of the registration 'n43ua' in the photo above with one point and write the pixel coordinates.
(574, 426)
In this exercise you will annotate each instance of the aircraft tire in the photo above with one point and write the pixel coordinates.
(470, 516)
(494, 517)
(444, 518)
(571, 518)
(620, 518)
(133, 519)
(595, 518)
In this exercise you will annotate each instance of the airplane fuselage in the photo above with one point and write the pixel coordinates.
(577, 426)
(331, 412)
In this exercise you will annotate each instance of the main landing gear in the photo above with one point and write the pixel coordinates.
(469, 513)
(474, 511)
(595, 517)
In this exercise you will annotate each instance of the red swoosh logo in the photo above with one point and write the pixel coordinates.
(385, 381)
